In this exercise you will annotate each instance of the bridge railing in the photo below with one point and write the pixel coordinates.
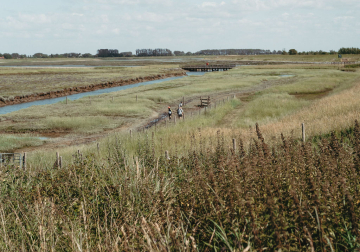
(10, 159)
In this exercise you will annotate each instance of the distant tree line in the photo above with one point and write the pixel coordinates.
(12, 56)
(349, 50)
(167, 52)
(43, 55)
(342, 50)
(112, 53)
(153, 52)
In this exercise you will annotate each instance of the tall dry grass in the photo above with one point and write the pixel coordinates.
(288, 196)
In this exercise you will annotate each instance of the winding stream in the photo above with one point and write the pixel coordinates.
(17, 107)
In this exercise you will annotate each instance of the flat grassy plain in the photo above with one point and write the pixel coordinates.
(278, 98)
(25, 81)
(289, 58)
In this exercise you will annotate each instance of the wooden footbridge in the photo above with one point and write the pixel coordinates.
(208, 68)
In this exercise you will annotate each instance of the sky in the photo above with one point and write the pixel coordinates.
(83, 26)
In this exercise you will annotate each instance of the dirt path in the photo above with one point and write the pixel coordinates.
(191, 105)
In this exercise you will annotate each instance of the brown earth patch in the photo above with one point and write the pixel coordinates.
(82, 89)
(312, 95)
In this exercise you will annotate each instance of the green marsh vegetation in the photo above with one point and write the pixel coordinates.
(271, 99)
(24, 81)
(13, 142)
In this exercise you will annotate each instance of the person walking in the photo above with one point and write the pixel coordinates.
(180, 104)
(169, 112)
(180, 112)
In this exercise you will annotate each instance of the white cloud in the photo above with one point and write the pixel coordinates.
(208, 4)
(184, 25)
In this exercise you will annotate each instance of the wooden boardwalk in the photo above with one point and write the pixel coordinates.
(208, 68)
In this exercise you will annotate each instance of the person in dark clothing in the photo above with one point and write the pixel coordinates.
(169, 112)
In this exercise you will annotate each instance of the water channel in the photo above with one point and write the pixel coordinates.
(17, 107)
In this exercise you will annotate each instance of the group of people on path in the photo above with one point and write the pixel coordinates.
(179, 111)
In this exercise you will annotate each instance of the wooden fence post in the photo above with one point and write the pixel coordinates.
(165, 123)
(24, 161)
(60, 162)
(66, 100)
(98, 148)
(167, 155)
(57, 160)
(234, 144)
(183, 101)
(303, 132)
(174, 120)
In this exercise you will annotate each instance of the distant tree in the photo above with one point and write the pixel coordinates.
(7, 56)
(188, 54)
(292, 52)
(179, 53)
(284, 52)
(37, 55)
(15, 55)
(87, 55)
(108, 53)
(332, 52)
(1, 55)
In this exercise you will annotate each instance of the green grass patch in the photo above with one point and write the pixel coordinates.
(13, 142)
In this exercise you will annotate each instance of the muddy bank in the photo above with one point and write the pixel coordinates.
(83, 89)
